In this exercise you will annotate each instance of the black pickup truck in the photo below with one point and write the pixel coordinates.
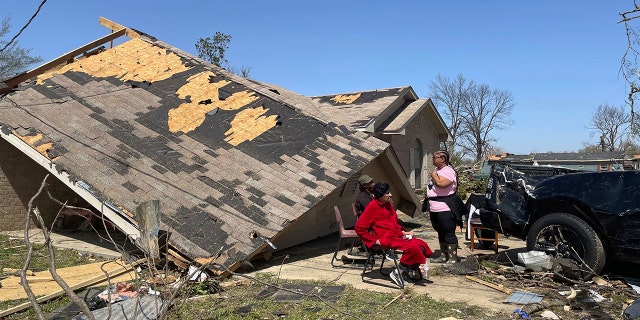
(583, 217)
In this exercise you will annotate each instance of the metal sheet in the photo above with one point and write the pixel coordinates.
(521, 297)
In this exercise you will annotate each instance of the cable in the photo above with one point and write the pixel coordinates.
(25, 26)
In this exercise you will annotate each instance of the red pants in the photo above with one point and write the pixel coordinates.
(414, 251)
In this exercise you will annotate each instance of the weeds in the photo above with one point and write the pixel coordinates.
(248, 302)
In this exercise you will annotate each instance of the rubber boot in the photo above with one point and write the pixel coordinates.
(453, 251)
(444, 254)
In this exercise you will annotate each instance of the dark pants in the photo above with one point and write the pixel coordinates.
(445, 224)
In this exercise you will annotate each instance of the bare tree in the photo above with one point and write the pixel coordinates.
(488, 110)
(474, 112)
(611, 124)
(453, 95)
(244, 71)
(13, 58)
(629, 62)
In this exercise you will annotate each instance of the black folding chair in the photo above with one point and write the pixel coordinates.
(370, 262)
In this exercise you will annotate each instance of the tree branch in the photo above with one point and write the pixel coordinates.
(23, 272)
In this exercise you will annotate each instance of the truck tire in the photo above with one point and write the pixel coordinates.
(567, 236)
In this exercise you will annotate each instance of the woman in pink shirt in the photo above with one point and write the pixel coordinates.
(441, 196)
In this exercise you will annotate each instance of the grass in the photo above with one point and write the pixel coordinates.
(13, 253)
(245, 302)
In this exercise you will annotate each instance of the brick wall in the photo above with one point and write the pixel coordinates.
(20, 179)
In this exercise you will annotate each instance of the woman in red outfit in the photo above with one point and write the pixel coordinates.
(378, 224)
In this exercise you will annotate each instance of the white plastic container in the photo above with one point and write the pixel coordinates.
(424, 269)
(535, 260)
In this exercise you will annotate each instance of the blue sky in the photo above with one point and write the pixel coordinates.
(559, 59)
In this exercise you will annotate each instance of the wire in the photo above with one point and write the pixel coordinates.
(25, 26)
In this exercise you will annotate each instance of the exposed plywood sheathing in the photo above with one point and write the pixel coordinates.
(346, 98)
(5, 87)
(204, 98)
(41, 148)
(117, 62)
(249, 124)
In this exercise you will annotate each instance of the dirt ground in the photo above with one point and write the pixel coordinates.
(311, 261)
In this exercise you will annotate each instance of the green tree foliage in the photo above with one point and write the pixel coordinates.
(13, 59)
(467, 184)
(214, 49)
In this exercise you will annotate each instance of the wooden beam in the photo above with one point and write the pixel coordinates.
(10, 83)
(116, 26)
(148, 217)
(86, 283)
(498, 287)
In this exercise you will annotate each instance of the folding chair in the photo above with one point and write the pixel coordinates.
(355, 211)
(370, 261)
(343, 234)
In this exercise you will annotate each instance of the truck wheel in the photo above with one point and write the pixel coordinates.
(571, 238)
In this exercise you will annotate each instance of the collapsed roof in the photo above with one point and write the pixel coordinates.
(232, 162)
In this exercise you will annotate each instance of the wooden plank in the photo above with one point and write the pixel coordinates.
(10, 83)
(148, 217)
(116, 26)
(177, 259)
(39, 279)
(498, 287)
(75, 287)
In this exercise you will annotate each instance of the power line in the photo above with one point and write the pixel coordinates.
(25, 26)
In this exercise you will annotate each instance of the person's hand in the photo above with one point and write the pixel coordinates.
(377, 242)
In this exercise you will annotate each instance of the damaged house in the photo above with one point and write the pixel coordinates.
(238, 167)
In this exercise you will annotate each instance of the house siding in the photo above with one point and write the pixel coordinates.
(402, 144)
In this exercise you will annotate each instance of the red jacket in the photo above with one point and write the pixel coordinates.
(379, 222)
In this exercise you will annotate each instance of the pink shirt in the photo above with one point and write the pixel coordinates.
(439, 206)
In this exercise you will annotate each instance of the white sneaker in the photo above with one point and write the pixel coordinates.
(395, 276)
(388, 257)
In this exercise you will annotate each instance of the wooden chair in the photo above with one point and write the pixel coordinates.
(343, 234)
(476, 225)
